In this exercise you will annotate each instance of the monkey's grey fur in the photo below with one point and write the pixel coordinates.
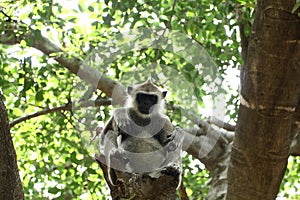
(139, 138)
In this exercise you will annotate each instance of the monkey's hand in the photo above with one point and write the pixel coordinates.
(118, 158)
(121, 117)
(98, 131)
(176, 139)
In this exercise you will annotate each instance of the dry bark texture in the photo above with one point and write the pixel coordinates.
(10, 183)
(269, 97)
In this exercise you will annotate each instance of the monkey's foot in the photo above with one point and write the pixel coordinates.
(118, 158)
(173, 171)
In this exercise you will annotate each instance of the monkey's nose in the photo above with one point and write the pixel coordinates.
(147, 104)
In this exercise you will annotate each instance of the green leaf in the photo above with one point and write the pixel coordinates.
(23, 43)
(91, 8)
(81, 8)
(53, 190)
(28, 83)
(39, 95)
(38, 34)
(74, 159)
(43, 84)
(17, 103)
(296, 6)
(91, 171)
(188, 77)
(189, 67)
(107, 19)
(72, 19)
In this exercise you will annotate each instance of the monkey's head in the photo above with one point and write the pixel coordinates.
(146, 98)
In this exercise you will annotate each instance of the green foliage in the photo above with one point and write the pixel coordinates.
(196, 178)
(290, 185)
(54, 163)
(296, 7)
(53, 158)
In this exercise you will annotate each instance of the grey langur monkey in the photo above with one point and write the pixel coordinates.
(139, 138)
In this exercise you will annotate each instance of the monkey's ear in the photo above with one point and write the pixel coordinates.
(129, 89)
(164, 94)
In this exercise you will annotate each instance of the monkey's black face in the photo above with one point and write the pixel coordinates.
(145, 102)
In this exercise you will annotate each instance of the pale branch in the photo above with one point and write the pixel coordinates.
(67, 107)
(219, 123)
(213, 150)
(75, 65)
(207, 147)
(205, 127)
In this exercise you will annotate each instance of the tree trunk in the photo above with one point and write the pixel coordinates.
(270, 92)
(10, 183)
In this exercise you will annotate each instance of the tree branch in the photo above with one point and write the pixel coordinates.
(213, 150)
(244, 37)
(10, 187)
(219, 123)
(68, 106)
(168, 25)
(74, 65)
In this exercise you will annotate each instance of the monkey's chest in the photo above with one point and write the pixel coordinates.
(135, 129)
(140, 145)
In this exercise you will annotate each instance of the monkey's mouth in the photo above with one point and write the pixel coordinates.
(145, 110)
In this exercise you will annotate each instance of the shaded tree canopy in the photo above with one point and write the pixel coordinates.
(64, 66)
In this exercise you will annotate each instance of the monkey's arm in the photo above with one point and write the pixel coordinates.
(167, 133)
(109, 132)
(102, 132)
(108, 145)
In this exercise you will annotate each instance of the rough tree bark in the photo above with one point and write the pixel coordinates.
(270, 92)
(10, 183)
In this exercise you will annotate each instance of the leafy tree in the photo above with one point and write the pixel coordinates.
(60, 66)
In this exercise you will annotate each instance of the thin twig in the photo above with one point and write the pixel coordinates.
(68, 106)
(244, 37)
(172, 14)
(219, 123)
(182, 192)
